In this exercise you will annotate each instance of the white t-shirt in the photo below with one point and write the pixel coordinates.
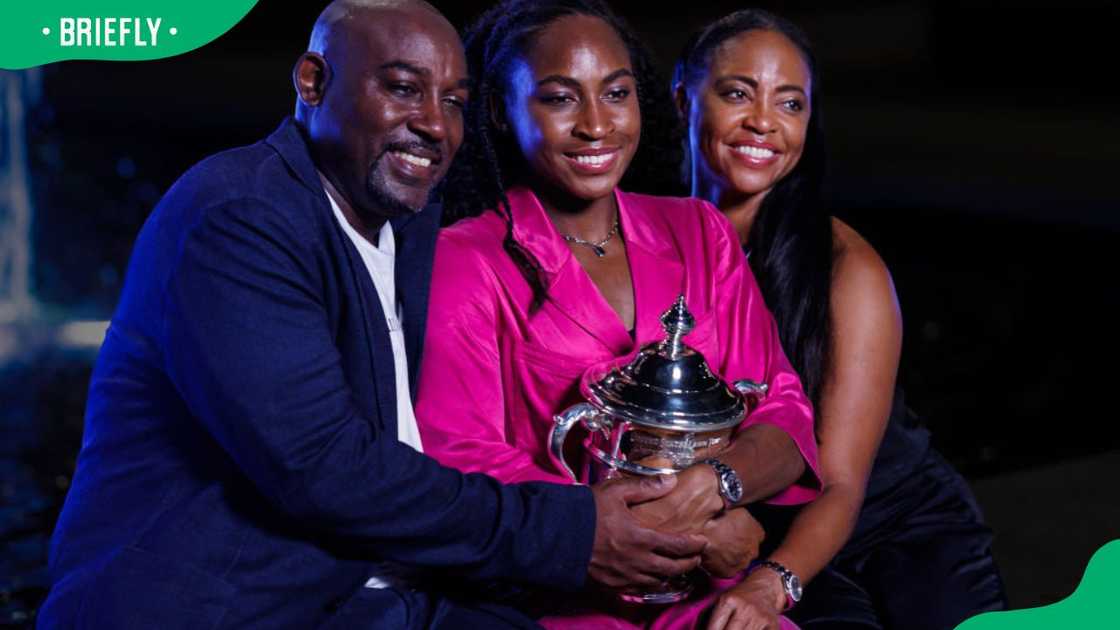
(380, 261)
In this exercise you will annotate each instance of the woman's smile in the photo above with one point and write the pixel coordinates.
(572, 106)
(749, 118)
(593, 161)
(752, 154)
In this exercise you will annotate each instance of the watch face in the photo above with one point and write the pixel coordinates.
(793, 585)
(733, 487)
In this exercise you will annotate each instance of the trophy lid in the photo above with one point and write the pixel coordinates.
(668, 385)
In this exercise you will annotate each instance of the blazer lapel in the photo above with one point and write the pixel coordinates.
(416, 242)
(377, 332)
(289, 142)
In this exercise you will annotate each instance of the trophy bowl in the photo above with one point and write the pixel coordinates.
(658, 413)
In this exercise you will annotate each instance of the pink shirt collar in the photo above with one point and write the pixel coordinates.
(656, 271)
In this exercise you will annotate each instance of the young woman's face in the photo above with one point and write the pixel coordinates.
(572, 105)
(747, 118)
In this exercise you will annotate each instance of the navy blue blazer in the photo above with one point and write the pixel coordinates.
(240, 466)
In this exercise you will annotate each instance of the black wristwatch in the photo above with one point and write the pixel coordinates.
(791, 584)
(730, 487)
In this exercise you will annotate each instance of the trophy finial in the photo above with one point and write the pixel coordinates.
(677, 322)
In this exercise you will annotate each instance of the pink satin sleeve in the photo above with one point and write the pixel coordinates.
(461, 402)
(752, 349)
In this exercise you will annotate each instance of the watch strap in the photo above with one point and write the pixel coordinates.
(726, 476)
(787, 577)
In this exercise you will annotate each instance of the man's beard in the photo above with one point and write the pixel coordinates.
(378, 189)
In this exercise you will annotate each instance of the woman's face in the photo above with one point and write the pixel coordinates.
(747, 118)
(572, 105)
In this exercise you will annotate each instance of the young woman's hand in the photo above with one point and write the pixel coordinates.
(733, 540)
(755, 604)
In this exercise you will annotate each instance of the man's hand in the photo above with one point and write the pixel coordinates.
(733, 540)
(688, 508)
(755, 604)
(627, 553)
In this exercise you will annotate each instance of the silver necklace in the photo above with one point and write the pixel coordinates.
(596, 246)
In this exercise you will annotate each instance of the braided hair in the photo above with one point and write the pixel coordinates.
(489, 160)
(791, 241)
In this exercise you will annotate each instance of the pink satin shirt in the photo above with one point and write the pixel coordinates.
(494, 374)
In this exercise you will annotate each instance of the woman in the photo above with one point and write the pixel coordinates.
(565, 271)
(920, 554)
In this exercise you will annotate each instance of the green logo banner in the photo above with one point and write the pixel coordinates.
(1092, 605)
(35, 33)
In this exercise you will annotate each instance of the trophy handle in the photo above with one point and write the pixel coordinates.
(753, 391)
(563, 423)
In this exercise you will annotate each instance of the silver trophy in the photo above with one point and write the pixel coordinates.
(656, 414)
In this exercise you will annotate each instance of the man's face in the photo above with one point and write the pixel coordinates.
(391, 118)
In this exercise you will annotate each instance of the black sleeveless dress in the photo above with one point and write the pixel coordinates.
(920, 555)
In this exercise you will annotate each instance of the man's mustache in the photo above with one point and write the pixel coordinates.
(429, 150)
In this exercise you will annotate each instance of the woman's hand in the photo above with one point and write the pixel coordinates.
(693, 502)
(755, 604)
(733, 540)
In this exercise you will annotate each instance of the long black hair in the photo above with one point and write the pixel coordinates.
(790, 243)
(489, 161)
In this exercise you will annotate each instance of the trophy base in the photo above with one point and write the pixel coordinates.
(675, 590)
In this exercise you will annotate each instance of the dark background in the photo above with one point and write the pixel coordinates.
(973, 145)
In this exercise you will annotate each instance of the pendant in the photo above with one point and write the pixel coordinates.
(599, 251)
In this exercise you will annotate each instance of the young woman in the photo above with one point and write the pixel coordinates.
(556, 270)
(920, 554)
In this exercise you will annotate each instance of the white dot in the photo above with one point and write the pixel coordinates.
(174, 31)
(46, 30)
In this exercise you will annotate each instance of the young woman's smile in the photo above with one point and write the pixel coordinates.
(572, 105)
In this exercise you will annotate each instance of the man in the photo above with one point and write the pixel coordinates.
(250, 459)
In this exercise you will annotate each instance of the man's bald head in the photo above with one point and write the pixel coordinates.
(381, 90)
(344, 24)
(340, 15)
